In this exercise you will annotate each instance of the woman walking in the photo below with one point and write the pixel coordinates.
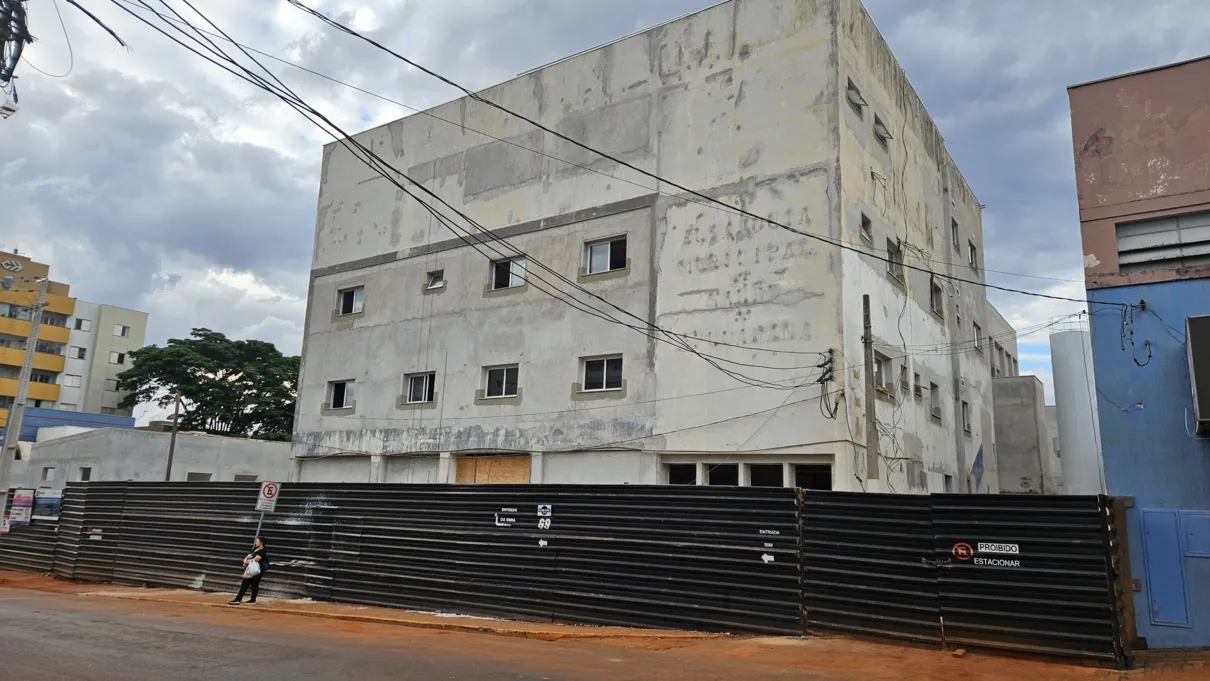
(260, 559)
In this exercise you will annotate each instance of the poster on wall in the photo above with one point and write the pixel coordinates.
(4, 525)
(47, 503)
(22, 508)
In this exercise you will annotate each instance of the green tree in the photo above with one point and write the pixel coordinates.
(243, 388)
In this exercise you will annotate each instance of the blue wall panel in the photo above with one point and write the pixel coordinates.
(50, 418)
(1149, 452)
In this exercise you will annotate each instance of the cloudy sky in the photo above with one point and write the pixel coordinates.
(150, 179)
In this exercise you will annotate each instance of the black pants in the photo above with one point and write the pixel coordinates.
(254, 582)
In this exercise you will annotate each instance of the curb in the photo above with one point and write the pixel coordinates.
(442, 626)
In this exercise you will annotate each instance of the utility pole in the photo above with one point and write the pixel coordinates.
(871, 419)
(176, 419)
(12, 430)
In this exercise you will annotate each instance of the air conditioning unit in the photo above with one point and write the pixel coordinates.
(1197, 345)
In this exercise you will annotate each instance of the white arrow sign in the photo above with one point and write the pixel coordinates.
(767, 558)
(541, 542)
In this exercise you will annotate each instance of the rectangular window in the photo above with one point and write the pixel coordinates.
(978, 336)
(71, 381)
(919, 389)
(881, 132)
(867, 228)
(966, 416)
(435, 280)
(84, 325)
(935, 401)
(972, 255)
(121, 330)
(894, 265)
(197, 477)
(67, 406)
(904, 387)
(766, 475)
(605, 256)
(954, 235)
(502, 381)
(882, 372)
(37, 377)
(48, 474)
(111, 384)
(682, 474)
(244, 477)
(1163, 243)
(350, 300)
(948, 484)
(77, 353)
(817, 476)
(603, 373)
(421, 388)
(508, 273)
(109, 411)
(340, 394)
(936, 298)
(117, 358)
(726, 474)
(856, 101)
(85, 473)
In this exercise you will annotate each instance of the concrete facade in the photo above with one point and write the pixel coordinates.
(1142, 156)
(97, 330)
(112, 454)
(1024, 448)
(748, 102)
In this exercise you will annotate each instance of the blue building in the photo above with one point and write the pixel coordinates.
(36, 419)
(1142, 160)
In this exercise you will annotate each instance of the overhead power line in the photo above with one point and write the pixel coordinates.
(705, 197)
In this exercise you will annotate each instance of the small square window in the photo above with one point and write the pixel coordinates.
(117, 358)
(435, 280)
(917, 388)
(726, 474)
(605, 256)
(502, 381)
(340, 395)
(85, 473)
(84, 325)
(71, 381)
(197, 477)
(766, 475)
(421, 388)
(245, 477)
(682, 474)
(603, 373)
(856, 101)
(882, 372)
(121, 330)
(936, 298)
(948, 484)
(817, 476)
(48, 474)
(350, 300)
(867, 228)
(508, 273)
(111, 384)
(966, 416)
(894, 265)
(935, 401)
(954, 235)
(77, 353)
(881, 132)
(972, 255)
(978, 337)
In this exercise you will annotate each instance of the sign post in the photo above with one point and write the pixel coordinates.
(265, 501)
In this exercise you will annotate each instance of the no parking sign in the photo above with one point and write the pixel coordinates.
(267, 500)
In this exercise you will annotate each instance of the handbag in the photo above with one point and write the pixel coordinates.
(252, 570)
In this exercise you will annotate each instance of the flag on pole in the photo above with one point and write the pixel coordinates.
(977, 469)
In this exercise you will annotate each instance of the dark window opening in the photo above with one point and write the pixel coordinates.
(682, 474)
(817, 476)
(766, 475)
(726, 474)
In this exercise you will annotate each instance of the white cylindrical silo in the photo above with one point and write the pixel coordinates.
(1076, 407)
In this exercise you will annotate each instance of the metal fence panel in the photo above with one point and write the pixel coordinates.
(28, 548)
(1027, 572)
(867, 565)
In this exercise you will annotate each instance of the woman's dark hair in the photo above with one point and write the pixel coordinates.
(262, 541)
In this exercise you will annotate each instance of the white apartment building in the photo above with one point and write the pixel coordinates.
(427, 360)
(102, 337)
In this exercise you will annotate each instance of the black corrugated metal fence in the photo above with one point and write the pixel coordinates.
(1019, 572)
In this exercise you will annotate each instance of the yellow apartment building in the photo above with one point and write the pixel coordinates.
(16, 314)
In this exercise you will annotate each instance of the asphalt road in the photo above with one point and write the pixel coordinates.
(62, 637)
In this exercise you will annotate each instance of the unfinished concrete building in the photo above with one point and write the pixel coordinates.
(426, 360)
